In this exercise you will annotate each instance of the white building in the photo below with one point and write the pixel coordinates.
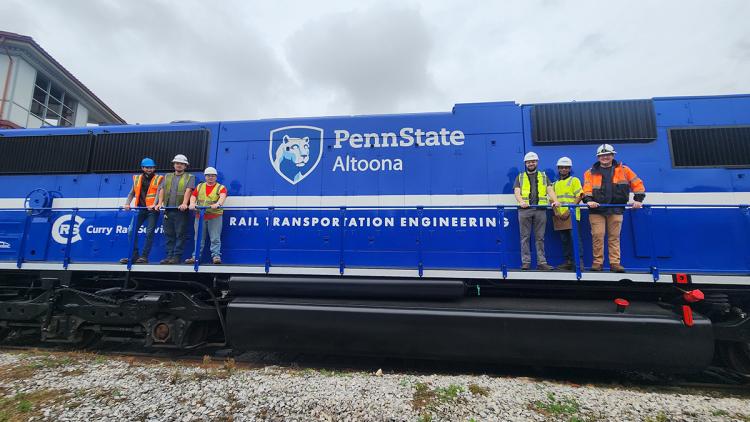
(36, 90)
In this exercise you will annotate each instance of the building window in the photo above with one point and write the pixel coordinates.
(51, 104)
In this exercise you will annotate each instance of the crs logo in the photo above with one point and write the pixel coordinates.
(62, 230)
(295, 151)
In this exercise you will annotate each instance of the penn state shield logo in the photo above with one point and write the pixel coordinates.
(295, 151)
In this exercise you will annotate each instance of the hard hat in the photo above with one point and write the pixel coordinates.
(147, 162)
(210, 170)
(564, 162)
(605, 149)
(179, 158)
(530, 156)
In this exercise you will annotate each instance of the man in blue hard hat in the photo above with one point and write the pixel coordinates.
(145, 192)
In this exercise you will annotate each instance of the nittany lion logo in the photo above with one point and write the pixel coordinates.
(295, 151)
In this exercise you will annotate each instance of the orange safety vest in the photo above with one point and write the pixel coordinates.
(623, 178)
(153, 188)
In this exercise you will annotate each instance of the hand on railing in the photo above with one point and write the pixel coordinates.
(393, 207)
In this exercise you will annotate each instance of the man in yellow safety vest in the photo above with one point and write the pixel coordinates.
(532, 188)
(212, 195)
(569, 191)
(175, 198)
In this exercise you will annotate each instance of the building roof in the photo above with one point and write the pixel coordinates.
(36, 48)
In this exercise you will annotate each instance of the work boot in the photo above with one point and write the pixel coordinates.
(216, 260)
(596, 267)
(544, 267)
(125, 260)
(141, 260)
(525, 267)
(565, 266)
(616, 268)
(168, 261)
(190, 260)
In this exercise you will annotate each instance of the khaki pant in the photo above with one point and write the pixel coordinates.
(536, 219)
(612, 223)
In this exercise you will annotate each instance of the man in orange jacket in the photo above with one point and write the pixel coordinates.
(609, 182)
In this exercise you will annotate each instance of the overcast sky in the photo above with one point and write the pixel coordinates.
(159, 61)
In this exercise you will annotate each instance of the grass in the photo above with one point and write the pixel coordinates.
(425, 417)
(478, 390)
(425, 399)
(24, 406)
(30, 364)
(659, 417)
(207, 370)
(554, 406)
(719, 412)
(449, 393)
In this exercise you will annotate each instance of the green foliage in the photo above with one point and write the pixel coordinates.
(556, 406)
(659, 417)
(449, 393)
(478, 390)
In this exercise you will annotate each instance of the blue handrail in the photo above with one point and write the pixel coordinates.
(394, 207)
(500, 209)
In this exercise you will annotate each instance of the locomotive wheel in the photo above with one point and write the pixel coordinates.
(89, 339)
(736, 356)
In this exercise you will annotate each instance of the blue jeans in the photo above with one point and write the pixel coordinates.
(211, 227)
(149, 217)
(567, 244)
(175, 226)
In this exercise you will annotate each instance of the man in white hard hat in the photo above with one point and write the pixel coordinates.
(212, 195)
(609, 182)
(569, 191)
(532, 190)
(174, 197)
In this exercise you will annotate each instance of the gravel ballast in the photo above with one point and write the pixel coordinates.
(79, 386)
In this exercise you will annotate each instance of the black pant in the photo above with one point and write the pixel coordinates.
(567, 243)
(149, 217)
(175, 226)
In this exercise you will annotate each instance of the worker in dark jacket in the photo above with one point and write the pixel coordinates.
(609, 182)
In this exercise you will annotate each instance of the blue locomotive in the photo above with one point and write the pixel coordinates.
(392, 235)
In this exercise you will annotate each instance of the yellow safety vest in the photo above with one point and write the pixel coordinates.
(208, 200)
(567, 191)
(182, 181)
(541, 181)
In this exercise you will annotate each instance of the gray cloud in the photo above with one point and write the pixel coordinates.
(164, 60)
(154, 62)
(373, 60)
